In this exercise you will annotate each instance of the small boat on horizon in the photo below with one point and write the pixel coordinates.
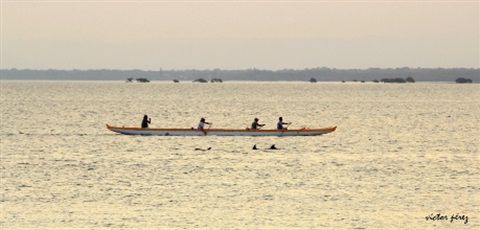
(219, 132)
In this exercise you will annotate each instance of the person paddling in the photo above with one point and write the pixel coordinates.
(202, 123)
(280, 123)
(256, 125)
(146, 120)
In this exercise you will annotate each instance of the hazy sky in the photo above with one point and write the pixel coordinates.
(274, 35)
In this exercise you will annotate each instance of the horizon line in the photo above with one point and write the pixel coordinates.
(254, 68)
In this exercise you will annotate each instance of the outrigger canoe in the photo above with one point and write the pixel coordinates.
(219, 132)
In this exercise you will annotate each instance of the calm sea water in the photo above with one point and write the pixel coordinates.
(404, 156)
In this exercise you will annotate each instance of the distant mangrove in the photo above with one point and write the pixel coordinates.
(142, 80)
(410, 79)
(200, 80)
(214, 80)
(463, 80)
(397, 80)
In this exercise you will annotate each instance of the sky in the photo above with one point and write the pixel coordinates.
(231, 35)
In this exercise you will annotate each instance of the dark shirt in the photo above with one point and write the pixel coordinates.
(255, 125)
(145, 123)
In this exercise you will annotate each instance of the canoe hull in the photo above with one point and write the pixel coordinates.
(219, 132)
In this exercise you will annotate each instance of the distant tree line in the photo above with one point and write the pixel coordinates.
(463, 80)
(398, 80)
(319, 74)
(141, 80)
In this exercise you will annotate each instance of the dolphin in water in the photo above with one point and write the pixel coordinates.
(200, 149)
(271, 147)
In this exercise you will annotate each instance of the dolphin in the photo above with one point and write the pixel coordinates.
(271, 147)
(200, 149)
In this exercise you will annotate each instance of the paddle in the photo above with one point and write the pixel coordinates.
(209, 125)
(260, 126)
(285, 128)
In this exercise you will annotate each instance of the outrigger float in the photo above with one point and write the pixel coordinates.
(219, 132)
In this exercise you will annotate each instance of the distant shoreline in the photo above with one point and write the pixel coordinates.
(230, 81)
(319, 74)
